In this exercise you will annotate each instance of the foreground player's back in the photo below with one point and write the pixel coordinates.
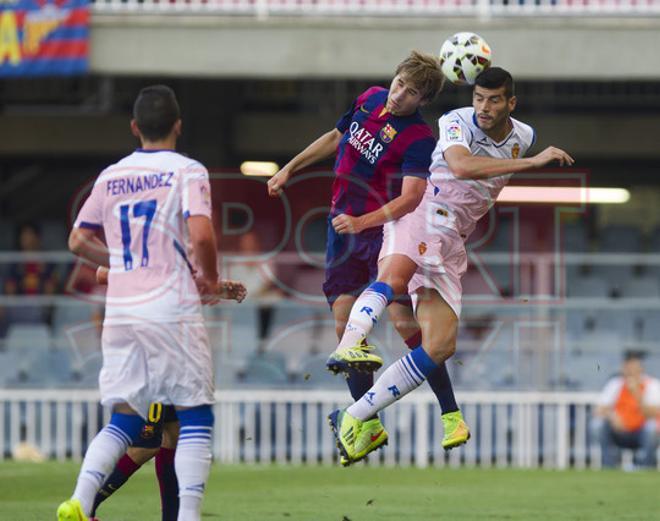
(142, 203)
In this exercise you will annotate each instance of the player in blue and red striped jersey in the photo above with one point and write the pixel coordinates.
(383, 149)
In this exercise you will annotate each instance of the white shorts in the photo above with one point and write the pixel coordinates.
(165, 362)
(438, 251)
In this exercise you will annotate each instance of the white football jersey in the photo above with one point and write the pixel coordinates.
(142, 203)
(465, 201)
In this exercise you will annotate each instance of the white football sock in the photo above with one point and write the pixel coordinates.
(365, 313)
(192, 463)
(103, 452)
(403, 376)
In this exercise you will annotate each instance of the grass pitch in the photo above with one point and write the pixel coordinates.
(265, 493)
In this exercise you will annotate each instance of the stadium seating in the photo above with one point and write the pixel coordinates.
(575, 238)
(592, 287)
(643, 287)
(54, 235)
(620, 238)
(262, 372)
(313, 373)
(7, 236)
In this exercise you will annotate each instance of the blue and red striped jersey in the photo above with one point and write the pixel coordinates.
(376, 151)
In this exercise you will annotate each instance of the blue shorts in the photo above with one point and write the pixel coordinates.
(152, 433)
(351, 262)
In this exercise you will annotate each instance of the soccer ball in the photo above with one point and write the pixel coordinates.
(463, 57)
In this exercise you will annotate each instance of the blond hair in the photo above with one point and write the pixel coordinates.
(424, 72)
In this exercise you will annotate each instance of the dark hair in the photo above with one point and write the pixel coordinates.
(494, 78)
(633, 354)
(156, 111)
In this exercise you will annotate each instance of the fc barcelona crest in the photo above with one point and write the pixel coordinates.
(387, 133)
(148, 432)
(421, 248)
(515, 151)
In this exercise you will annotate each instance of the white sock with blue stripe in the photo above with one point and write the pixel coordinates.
(403, 376)
(365, 313)
(103, 452)
(192, 460)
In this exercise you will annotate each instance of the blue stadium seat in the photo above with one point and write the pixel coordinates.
(27, 315)
(264, 373)
(615, 275)
(242, 323)
(51, 368)
(620, 238)
(588, 371)
(9, 366)
(621, 322)
(651, 328)
(592, 287)
(24, 337)
(7, 236)
(54, 235)
(85, 373)
(654, 240)
(294, 314)
(575, 238)
(71, 314)
(314, 374)
(643, 287)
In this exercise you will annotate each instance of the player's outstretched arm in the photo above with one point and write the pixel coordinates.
(466, 166)
(202, 237)
(84, 243)
(322, 148)
(412, 192)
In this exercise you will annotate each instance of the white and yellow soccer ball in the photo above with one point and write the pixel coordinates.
(463, 57)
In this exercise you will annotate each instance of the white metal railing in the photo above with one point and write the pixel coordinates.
(386, 8)
(526, 430)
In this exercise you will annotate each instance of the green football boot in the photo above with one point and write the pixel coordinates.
(71, 510)
(361, 358)
(456, 430)
(356, 438)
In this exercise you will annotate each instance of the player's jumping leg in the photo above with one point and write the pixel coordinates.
(166, 473)
(439, 326)
(456, 431)
(127, 465)
(104, 451)
(359, 382)
(394, 273)
(143, 449)
(357, 358)
(193, 459)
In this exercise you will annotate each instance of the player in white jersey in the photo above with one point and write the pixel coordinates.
(423, 253)
(153, 206)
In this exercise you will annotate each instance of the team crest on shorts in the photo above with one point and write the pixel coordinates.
(148, 432)
(387, 133)
(422, 248)
(515, 151)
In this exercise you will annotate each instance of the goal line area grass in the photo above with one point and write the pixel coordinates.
(32, 491)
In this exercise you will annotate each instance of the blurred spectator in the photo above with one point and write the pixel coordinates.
(30, 277)
(254, 275)
(628, 414)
